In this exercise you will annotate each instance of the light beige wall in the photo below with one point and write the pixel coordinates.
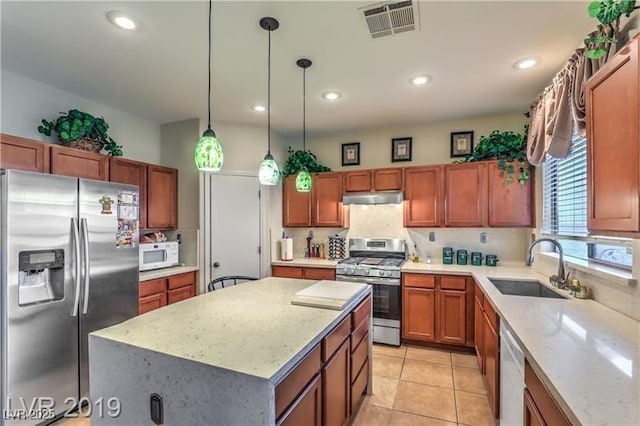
(431, 142)
(25, 102)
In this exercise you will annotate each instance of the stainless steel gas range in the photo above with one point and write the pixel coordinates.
(378, 262)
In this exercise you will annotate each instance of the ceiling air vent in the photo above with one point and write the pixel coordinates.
(384, 19)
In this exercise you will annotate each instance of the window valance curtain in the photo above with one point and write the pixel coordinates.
(561, 105)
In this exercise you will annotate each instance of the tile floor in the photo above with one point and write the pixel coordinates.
(424, 387)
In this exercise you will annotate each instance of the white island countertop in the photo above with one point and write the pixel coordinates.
(587, 354)
(251, 328)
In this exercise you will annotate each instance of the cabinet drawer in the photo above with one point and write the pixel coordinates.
(319, 274)
(286, 271)
(358, 357)
(491, 314)
(359, 385)
(335, 338)
(179, 294)
(182, 280)
(307, 408)
(419, 280)
(150, 287)
(149, 303)
(478, 293)
(545, 403)
(360, 331)
(295, 382)
(361, 312)
(453, 283)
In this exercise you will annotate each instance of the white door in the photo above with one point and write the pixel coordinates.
(234, 223)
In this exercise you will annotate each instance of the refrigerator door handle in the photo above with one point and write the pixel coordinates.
(85, 238)
(76, 247)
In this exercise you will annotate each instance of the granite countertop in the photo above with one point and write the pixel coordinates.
(166, 272)
(251, 328)
(307, 263)
(587, 354)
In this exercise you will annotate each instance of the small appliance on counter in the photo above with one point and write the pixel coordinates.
(286, 249)
(158, 255)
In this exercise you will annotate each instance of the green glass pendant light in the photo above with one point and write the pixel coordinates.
(208, 155)
(268, 173)
(303, 179)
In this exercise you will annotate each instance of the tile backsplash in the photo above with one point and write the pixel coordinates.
(386, 221)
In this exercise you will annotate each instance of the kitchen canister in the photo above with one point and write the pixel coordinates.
(476, 258)
(461, 257)
(492, 260)
(447, 255)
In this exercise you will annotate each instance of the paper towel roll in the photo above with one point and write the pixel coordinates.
(286, 249)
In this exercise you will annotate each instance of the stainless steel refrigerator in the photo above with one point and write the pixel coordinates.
(68, 266)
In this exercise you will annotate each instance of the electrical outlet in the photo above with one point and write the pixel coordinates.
(483, 237)
(432, 236)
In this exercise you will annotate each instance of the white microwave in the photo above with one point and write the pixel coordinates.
(158, 255)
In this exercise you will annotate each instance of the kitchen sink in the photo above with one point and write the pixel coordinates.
(524, 288)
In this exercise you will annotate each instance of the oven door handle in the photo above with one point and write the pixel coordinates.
(367, 280)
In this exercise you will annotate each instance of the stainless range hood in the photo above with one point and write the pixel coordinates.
(385, 197)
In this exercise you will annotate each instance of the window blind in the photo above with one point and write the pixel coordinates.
(565, 192)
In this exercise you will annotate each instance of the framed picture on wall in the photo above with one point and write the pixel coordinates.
(401, 149)
(461, 143)
(351, 154)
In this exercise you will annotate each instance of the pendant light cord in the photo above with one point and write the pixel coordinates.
(209, 64)
(269, 97)
(304, 109)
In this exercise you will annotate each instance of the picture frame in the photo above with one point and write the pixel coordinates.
(461, 143)
(401, 149)
(351, 154)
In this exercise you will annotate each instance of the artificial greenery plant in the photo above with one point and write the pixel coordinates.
(607, 12)
(76, 125)
(509, 148)
(300, 159)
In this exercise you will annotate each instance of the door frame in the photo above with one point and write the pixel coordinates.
(206, 267)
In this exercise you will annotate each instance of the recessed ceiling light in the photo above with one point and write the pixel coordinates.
(420, 80)
(121, 20)
(331, 96)
(258, 108)
(525, 63)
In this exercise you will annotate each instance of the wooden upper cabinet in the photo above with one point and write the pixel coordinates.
(358, 181)
(162, 193)
(296, 206)
(75, 162)
(326, 200)
(511, 205)
(387, 179)
(23, 154)
(131, 172)
(613, 144)
(423, 196)
(465, 195)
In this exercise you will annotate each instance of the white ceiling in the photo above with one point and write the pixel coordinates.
(159, 71)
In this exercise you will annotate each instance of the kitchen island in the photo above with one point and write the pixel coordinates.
(231, 357)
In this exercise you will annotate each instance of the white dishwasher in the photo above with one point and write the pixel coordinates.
(511, 379)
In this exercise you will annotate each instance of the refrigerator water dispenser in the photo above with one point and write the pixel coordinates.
(40, 276)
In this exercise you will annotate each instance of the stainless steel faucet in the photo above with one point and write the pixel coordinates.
(529, 261)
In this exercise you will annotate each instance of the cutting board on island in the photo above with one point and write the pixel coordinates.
(329, 294)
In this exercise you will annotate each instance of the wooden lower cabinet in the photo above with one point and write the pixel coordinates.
(154, 294)
(323, 388)
(532, 416)
(437, 308)
(418, 314)
(487, 345)
(303, 273)
(307, 409)
(336, 387)
(540, 408)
